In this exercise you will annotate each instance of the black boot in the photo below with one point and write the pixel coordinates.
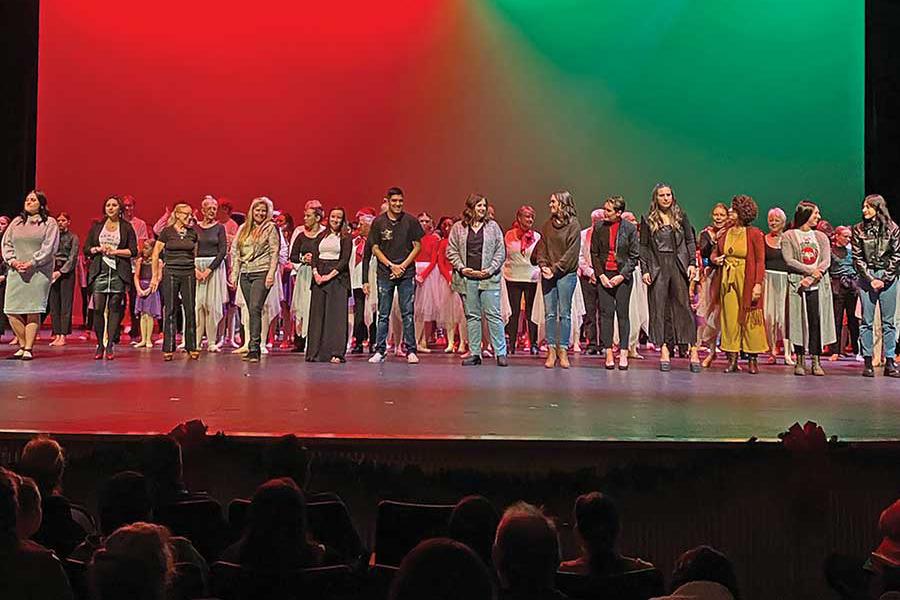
(732, 363)
(890, 369)
(868, 369)
(299, 344)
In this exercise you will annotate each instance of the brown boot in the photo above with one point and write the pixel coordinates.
(817, 366)
(563, 354)
(800, 368)
(732, 362)
(551, 357)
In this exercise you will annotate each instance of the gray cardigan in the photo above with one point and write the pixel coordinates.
(493, 252)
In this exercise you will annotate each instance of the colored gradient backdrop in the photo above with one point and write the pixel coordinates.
(171, 100)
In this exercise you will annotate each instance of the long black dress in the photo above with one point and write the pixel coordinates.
(328, 327)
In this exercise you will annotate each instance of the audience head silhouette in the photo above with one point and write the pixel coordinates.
(134, 564)
(526, 550)
(124, 499)
(442, 569)
(288, 457)
(162, 466)
(277, 535)
(44, 461)
(29, 517)
(705, 564)
(474, 523)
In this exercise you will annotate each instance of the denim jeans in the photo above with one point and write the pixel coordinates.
(886, 298)
(253, 287)
(488, 303)
(558, 309)
(406, 289)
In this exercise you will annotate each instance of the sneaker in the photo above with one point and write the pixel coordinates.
(376, 358)
(212, 348)
(412, 359)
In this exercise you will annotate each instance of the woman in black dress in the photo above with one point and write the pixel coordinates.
(330, 291)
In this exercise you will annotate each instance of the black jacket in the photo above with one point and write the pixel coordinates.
(127, 240)
(875, 248)
(685, 249)
(627, 249)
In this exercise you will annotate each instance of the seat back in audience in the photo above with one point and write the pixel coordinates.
(399, 526)
(634, 585)
(380, 579)
(200, 521)
(76, 571)
(187, 582)
(84, 518)
(233, 582)
(329, 524)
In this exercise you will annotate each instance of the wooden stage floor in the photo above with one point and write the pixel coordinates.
(65, 391)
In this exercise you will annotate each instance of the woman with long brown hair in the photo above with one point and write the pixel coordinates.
(557, 256)
(668, 264)
(330, 291)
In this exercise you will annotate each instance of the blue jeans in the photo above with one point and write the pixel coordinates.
(487, 302)
(887, 300)
(558, 309)
(406, 289)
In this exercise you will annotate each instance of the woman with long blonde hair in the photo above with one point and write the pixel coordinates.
(668, 264)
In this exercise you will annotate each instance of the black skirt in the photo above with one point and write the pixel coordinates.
(328, 317)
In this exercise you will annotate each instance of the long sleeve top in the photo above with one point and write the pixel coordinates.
(259, 252)
(47, 230)
(212, 242)
(66, 253)
(558, 247)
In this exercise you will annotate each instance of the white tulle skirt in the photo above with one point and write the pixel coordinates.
(300, 301)
(212, 294)
(429, 295)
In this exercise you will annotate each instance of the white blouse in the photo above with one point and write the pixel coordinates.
(330, 247)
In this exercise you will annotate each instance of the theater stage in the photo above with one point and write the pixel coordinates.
(64, 391)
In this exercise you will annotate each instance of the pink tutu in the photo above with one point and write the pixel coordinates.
(429, 296)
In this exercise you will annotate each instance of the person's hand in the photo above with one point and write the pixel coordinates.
(366, 289)
(270, 280)
(21, 267)
(806, 282)
(56, 275)
(468, 273)
(2, 278)
(232, 285)
(877, 284)
(817, 273)
(756, 294)
(397, 271)
(604, 281)
(547, 272)
(95, 250)
(692, 272)
(647, 279)
(593, 279)
(719, 260)
(318, 279)
(154, 285)
(613, 282)
(419, 279)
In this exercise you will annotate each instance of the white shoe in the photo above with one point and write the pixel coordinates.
(264, 349)
(212, 348)
(376, 358)
(412, 359)
(241, 350)
(181, 346)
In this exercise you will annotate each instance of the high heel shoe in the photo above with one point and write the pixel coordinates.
(194, 355)
(168, 356)
(610, 361)
(98, 355)
(623, 360)
(551, 358)
(563, 354)
(110, 353)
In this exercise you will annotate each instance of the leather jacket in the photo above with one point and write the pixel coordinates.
(876, 248)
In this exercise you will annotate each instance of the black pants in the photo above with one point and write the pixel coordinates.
(132, 298)
(844, 299)
(590, 293)
(4, 320)
(812, 324)
(614, 303)
(253, 287)
(360, 331)
(179, 293)
(669, 298)
(515, 290)
(59, 303)
(327, 336)
(87, 316)
(111, 305)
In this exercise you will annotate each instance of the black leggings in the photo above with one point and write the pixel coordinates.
(102, 302)
(615, 303)
(812, 324)
(515, 290)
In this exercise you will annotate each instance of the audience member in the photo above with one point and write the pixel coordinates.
(442, 569)
(474, 523)
(597, 529)
(124, 500)
(27, 570)
(163, 468)
(44, 461)
(28, 519)
(277, 536)
(703, 573)
(526, 554)
(134, 564)
(883, 566)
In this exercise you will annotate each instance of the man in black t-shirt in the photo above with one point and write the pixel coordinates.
(394, 239)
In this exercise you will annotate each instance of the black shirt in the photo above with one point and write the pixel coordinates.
(395, 239)
(474, 248)
(211, 241)
(775, 260)
(180, 248)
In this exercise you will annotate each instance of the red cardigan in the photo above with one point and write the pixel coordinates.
(754, 273)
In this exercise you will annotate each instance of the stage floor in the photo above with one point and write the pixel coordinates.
(64, 391)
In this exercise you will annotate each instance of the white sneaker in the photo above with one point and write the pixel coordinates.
(376, 358)
(412, 359)
(212, 348)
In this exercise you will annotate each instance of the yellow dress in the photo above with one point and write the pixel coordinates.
(749, 337)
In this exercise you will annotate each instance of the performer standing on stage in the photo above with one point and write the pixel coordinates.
(330, 291)
(557, 255)
(876, 256)
(29, 245)
(148, 306)
(254, 260)
(110, 244)
(361, 331)
(395, 242)
(179, 242)
(590, 286)
(615, 251)
(62, 289)
(844, 289)
(777, 289)
(707, 306)
(209, 269)
(668, 263)
(807, 254)
(4, 320)
(303, 242)
(427, 283)
(521, 276)
(476, 251)
(741, 260)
